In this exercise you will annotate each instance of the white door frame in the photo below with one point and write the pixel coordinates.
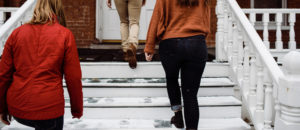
(99, 19)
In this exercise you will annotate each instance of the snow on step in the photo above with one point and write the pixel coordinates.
(154, 101)
(132, 124)
(149, 82)
(148, 92)
(154, 112)
(143, 70)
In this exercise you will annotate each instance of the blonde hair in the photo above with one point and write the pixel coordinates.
(46, 10)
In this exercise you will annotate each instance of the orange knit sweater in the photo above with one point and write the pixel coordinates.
(170, 20)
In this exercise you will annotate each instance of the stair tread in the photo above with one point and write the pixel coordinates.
(149, 82)
(153, 101)
(134, 124)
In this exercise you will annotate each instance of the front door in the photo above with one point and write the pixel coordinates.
(108, 24)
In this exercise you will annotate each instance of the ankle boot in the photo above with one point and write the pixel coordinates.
(177, 120)
(131, 54)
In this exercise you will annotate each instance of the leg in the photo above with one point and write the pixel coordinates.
(134, 11)
(122, 8)
(191, 74)
(171, 64)
(25, 122)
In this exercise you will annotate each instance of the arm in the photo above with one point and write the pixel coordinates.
(6, 76)
(72, 73)
(154, 30)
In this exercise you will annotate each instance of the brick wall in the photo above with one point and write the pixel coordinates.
(1, 3)
(81, 19)
(295, 4)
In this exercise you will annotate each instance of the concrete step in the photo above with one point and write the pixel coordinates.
(143, 102)
(144, 70)
(140, 124)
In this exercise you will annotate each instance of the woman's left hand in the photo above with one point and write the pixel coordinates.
(5, 118)
(144, 2)
(149, 56)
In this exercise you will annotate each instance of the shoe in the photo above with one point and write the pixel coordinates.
(125, 56)
(177, 120)
(131, 54)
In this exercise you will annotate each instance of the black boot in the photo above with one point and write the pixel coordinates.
(177, 120)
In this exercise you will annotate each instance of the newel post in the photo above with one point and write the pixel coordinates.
(289, 94)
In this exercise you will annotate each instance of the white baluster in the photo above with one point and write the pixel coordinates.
(259, 112)
(225, 23)
(246, 67)
(253, 18)
(235, 45)
(230, 37)
(253, 78)
(269, 102)
(292, 20)
(266, 21)
(220, 56)
(240, 54)
(2, 18)
(279, 43)
(288, 94)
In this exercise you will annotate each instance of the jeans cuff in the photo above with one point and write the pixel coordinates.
(176, 108)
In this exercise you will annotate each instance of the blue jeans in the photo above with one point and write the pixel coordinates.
(52, 124)
(187, 55)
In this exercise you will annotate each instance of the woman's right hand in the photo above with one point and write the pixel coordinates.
(108, 3)
(149, 56)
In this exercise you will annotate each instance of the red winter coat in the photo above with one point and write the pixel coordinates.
(34, 61)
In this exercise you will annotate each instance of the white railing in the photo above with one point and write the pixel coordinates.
(283, 20)
(263, 84)
(18, 17)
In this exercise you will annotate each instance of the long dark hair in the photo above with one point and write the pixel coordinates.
(191, 2)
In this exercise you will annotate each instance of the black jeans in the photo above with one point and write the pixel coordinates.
(189, 56)
(52, 124)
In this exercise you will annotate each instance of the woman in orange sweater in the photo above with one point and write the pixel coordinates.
(36, 57)
(181, 26)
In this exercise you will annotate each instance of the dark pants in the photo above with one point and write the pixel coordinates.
(189, 56)
(52, 124)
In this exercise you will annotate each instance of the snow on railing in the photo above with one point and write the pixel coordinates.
(18, 17)
(256, 72)
(279, 20)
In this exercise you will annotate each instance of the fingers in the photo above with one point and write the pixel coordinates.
(108, 2)
(148, 56)
(5, 119)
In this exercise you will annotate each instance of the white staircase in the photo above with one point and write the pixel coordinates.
(117, 97)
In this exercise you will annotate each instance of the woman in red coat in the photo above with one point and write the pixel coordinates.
(36, 57)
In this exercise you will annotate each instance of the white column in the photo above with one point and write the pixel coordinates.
(288, 94)
(235, 46)
(220, 55)
(240, 53)
(266, 20)
(230, 36)
(253, 18)
(292, 20)
(279, 43)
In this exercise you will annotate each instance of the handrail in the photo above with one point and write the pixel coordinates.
(16, 18)
(275, 10)
(8, 9)
(265, 55)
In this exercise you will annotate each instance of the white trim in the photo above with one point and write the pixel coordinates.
(99, 20)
